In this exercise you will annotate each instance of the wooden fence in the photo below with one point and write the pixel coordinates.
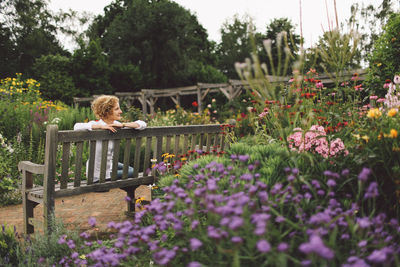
(232, 89)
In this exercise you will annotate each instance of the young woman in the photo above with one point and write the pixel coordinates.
(108, 112)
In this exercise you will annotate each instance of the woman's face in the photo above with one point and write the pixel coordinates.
(115, 114)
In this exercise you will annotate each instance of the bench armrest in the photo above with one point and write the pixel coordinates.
(31, 167)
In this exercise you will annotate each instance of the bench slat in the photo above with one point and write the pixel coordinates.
(78, 164)
(185, 144)
(127, 153)
(193, 146)
(114, 167)
(92, 153)
(146, 162)
(65, 164)
(208, 144)
(176, 148)
(73, 136)
(158, 150)
(201, 143)
(168, 144)
(216, 143)
(103, 164)
(136, 163)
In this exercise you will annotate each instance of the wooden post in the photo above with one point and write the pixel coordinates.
(143, 102)
(28, 206)
(199, 102)
(49, 176)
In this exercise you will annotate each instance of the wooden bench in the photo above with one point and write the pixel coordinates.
(64, 165)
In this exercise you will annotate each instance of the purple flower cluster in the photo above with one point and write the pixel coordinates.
(222, 206)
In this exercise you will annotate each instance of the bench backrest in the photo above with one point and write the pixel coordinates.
(66, 151)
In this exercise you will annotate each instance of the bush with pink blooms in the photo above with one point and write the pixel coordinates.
(315, 141)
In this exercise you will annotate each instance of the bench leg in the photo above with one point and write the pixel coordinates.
(28, 207)
(130, 192)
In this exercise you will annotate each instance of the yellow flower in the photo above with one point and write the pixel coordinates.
(393, 133)
(392, 112)
(365, 138)
(357, 136)
(139, 200)
(83, 256)
(374, 113)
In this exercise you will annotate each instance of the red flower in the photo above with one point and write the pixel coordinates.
(195, 104)
(243, 115)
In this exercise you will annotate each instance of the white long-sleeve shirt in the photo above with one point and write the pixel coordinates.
(110, 152)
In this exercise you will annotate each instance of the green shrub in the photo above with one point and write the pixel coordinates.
(384, 61)
(9, 246)
(54, 74)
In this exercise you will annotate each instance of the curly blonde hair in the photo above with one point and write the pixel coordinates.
(102, 106)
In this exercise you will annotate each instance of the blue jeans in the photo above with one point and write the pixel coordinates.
(121, 168)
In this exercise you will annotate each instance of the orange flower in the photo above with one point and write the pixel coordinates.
(393, 133)
(392, 112)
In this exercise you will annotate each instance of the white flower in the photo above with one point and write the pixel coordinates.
(396, 79)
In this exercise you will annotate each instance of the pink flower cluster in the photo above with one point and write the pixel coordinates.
(314, 140)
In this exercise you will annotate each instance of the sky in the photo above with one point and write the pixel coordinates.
(213, 13)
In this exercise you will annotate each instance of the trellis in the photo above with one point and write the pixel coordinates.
(232, 89)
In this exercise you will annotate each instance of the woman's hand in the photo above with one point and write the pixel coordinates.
(111, 127)
(131, 125)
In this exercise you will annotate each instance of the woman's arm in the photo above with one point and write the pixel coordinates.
(138, 125)
(93, 125)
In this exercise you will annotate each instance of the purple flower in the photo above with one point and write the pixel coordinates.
(345, 172)
(237, 239)
(316, 245)
(364, 174)
(263, 246)
(194, 264)
(92, 221)
(243, 158)
(71, 244)
(295, 171)
(195, 244)
(363, 222)
(291, 178)
(61, 240)
(362, 243)
(379, 256)
(128, 199)
(372, 190)
(84, 235)
(283, 247)
(279, 219)
(164, 256)
(331, 183)
(246, 177)
(320, 217)
(236, 222)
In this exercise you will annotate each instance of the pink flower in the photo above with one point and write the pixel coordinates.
(373, 97)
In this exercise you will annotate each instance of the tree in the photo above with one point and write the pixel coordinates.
(369, 22)
(235, 45)
(160, 38)
(239, 39)
(28, 31)
(384, 60)
(91, 71)
(54, 74)
(281, 33)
